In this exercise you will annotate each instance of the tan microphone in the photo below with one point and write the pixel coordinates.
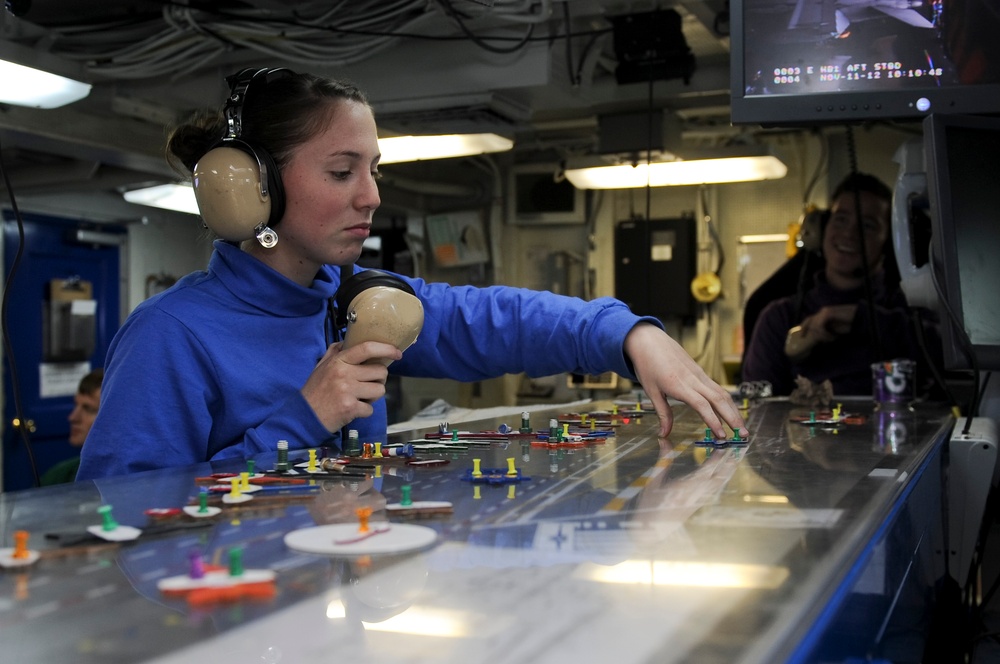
(386, 314)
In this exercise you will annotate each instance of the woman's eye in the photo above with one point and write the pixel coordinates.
(341, 175)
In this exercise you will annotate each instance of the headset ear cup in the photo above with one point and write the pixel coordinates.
(227, 187)
(813, 226)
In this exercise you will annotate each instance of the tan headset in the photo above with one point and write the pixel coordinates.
(237, 184)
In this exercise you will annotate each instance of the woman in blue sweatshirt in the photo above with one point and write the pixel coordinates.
(231, 360)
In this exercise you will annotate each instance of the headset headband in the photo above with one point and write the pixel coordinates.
(240, 84)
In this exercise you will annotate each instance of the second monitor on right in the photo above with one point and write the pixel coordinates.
(962, 157)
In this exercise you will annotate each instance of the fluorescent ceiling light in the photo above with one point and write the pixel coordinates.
(24, 86)
(179, 197)
(711, 170)
(397, 149)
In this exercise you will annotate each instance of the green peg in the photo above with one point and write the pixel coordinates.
(109, 522)
(236, 562)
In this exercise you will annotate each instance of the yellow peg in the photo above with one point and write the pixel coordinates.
(511, 470)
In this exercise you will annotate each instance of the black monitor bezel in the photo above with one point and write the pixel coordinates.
(944, 240)
(840, 107)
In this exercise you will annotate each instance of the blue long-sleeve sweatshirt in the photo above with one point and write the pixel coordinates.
(213, 367)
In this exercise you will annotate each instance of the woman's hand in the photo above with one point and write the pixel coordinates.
(665, 370)
(825, 325)
(344, 383)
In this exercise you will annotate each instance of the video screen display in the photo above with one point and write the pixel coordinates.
(898, 57)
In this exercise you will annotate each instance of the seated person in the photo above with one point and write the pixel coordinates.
(81, 418)
(793, 278)
(831, 338)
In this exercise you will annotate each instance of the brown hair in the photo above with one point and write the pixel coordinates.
(91, 382)
(277, 117)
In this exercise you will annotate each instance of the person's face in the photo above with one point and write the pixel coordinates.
(81, 418)
(841, 244)
(330, 194)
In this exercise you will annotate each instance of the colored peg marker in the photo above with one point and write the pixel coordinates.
(511, 470)
(406, 499)
(108, 522)
(363, 514)
(21, 545)
(19, 556)
(282, 463)
(236, 562)
(476, 472)
(196, 567)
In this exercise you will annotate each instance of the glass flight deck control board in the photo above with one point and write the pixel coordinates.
(627, 548)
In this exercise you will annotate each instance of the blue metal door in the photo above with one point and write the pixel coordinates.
(55, 251)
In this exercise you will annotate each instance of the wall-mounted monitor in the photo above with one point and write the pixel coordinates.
(537, 196)
(802, 62)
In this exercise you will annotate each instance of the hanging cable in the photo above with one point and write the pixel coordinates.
(480, 41)
(7, 347)
(859, 219)
(573, 80)
(964, 341)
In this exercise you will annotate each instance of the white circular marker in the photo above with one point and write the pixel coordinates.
(418, 505)
(215, 579)
(195, 511)
(923, 104)
(344, 539)
(119, 534)
(7, 558)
